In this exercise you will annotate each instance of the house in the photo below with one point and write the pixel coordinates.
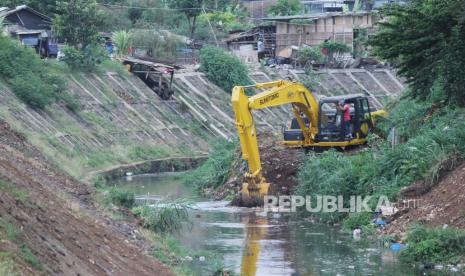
(31, 27)
(244, 44)
(320, 6)
(313, 30)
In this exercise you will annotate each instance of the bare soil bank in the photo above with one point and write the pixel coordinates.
(59, 220)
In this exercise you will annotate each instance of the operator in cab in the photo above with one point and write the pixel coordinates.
(345, 108)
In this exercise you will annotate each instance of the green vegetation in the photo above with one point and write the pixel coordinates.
(223, 68)
(215, 170)
(434, 245)
(355, 220)
(122, 40)
(7, 265)
(85, 59)
(10, 232)
(335, 49)
(286, 7)
(383, 170)
(147, 152)
(426, 40)
(158, 43)
(307, 56)
(121, 198)
(78, 22)
(164, 216)
(29, 257)
(221, 23)
(31, 79)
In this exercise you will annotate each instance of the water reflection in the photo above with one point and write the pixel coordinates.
(254, 243)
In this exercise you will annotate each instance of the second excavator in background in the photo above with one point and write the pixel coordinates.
(316, 124)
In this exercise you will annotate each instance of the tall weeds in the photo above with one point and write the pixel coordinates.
(432, 137)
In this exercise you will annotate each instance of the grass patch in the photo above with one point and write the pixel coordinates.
(121, 198)
(29, 257)
(7, 265)
(215, 170)
(147, 152)
(164, 217)
(434, 245)
(10, 232)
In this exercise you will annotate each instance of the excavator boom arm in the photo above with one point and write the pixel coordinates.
(279, 93)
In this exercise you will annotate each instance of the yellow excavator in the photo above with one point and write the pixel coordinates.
(316, 124)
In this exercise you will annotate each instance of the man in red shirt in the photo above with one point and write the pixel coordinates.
(345, 108)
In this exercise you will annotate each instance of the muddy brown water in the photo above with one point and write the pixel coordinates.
(252, 242)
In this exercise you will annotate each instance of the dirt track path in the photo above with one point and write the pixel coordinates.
(59, 221)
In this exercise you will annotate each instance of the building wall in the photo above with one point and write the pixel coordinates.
(337, 28)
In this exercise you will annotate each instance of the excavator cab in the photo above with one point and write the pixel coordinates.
(330, 121)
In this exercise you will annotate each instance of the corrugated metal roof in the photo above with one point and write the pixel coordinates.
(24, 7)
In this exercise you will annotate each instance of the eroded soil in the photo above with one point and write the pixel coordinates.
(280, 165)
(443, 204)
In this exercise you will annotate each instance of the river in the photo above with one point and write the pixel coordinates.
(256, 243)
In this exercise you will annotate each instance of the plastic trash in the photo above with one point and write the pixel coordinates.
(396, 246)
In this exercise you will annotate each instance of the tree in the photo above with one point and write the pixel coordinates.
(333, 49)
(307, 56)
(426, 39)
(191, 8)
(286, 7)
(123, 40)
(47, 7)
(78, 21)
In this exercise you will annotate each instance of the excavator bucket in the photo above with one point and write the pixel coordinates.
(253, 191)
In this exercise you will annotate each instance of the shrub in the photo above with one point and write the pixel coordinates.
(357, 220)
(34, 92)
(215, 170)
(222, 68)
(164, 217)
(309, 55)
(122, 198)
(30, 78)
(86, 59)
(434, 245)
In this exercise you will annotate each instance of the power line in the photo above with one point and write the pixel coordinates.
(151, 8)
(210, 10)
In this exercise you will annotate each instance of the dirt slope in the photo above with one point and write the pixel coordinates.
(59, 222)
(443, 204)
(280, 165)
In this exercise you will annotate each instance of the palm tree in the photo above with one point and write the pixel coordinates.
(123, 40)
